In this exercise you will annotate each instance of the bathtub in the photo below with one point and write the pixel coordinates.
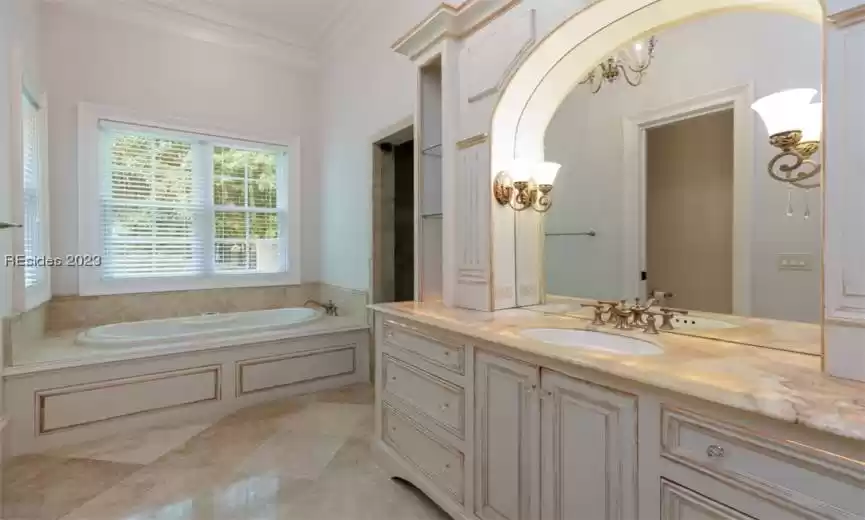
(155, 333)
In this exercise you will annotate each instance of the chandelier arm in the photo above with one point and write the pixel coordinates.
(633, 83)
(640, 70)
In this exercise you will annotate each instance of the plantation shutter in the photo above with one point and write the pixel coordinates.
(152, 206)
(33, 225)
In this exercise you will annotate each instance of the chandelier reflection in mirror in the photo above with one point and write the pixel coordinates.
(795, 126)
(526, 185)
(629, 63)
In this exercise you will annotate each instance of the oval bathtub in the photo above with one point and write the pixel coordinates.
(188, 329)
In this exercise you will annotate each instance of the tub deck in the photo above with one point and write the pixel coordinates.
(59, 350)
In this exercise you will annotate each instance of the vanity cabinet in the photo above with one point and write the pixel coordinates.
(491, 437)
(589, 450)
(507, 432)
(679, 503)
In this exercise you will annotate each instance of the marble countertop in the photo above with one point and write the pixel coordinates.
(788, 386)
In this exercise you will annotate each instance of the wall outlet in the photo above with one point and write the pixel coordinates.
(795, 262)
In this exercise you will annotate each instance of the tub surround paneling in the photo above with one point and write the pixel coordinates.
(68, 407)
(781, 385)
(58, 402)
(262, 374)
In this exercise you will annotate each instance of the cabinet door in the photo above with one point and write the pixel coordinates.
(678, 503)
(589, 451)
(507, 427)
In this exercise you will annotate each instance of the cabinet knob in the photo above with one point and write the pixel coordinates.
(715, 452)
(445, 406)
(388, 334)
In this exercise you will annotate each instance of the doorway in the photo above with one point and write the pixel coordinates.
(736, 100)
(393, 277)
(689, 211)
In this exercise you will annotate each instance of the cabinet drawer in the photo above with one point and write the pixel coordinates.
(810, 480)
(440, 463)
(443, 402)
(423, 344)
(678, 503)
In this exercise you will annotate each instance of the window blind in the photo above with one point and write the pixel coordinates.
(185, 206)
(32, 184)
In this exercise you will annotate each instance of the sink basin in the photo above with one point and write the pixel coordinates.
(700, 323)
(591, 340)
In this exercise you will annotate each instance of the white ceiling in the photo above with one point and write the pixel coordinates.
(295, 22)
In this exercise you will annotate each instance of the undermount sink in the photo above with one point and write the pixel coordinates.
(591, 340)
(700, 323)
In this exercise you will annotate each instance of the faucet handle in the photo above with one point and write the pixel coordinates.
(651, 324)
(599, 312)
(667, 317)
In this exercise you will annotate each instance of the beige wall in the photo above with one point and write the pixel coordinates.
(689, 212)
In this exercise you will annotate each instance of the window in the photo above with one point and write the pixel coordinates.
(34, 204)
(185, 210)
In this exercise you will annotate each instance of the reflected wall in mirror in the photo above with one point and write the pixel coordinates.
(664, 186)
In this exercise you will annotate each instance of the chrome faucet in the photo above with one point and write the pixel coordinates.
(329, 308)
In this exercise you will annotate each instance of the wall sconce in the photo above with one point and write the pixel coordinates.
(526, 185)
(795, 126)
(632, 60)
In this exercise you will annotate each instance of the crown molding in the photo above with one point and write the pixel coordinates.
(449, 21)
(156, 15)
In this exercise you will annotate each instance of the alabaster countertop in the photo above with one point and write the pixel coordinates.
(788, 386)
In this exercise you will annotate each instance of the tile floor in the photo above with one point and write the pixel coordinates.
(298, 459)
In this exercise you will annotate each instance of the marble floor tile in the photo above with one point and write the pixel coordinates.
(294, 454)
(137, 448)
(354, 394)
(326, 418)
(41, 487)
(307, 458)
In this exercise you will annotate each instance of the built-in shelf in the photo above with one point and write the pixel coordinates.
(434, 150)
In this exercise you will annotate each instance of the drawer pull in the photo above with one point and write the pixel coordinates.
(715, 452)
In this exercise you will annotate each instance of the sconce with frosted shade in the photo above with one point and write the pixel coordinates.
(795, 126)
(526, 185)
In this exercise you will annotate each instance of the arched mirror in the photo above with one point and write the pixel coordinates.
(670, 189)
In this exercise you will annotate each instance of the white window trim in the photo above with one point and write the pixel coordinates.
(27, 298)
(90, 281)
